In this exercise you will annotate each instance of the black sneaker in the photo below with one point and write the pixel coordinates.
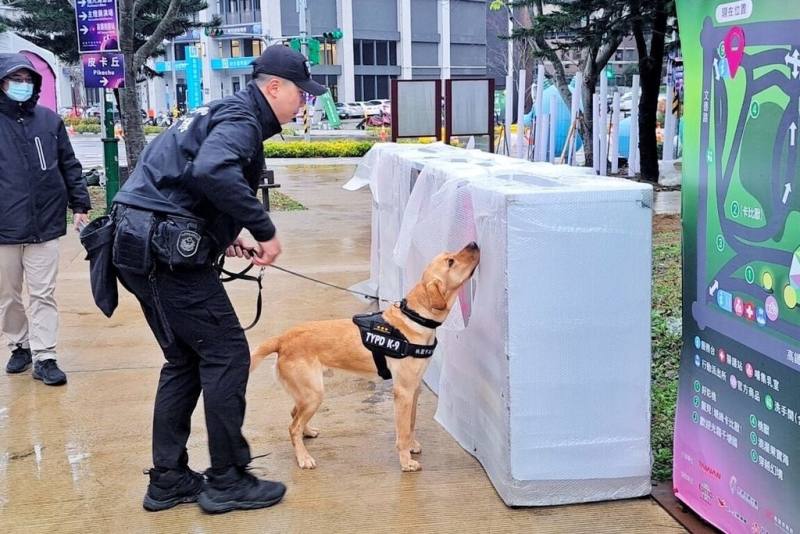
(20, 360)
(48, 372)
(171, 487)
(234, 488)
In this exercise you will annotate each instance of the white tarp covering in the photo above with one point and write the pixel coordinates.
(543, 367)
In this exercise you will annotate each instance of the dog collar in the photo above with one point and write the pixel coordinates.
(417, 318)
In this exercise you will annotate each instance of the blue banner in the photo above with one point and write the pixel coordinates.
(194, 76)
(224, 63)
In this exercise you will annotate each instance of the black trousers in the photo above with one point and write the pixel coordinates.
(205, 350)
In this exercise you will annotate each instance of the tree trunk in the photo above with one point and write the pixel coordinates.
(648, 108)
(129, 98)
(650, 64)
(131, 117)
(586, 124)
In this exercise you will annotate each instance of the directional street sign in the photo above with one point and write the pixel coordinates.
(105, 70)
(98, 29)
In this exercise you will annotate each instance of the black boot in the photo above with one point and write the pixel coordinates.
(171, 487)
(234, 488)
(48, 372)
(20, 360)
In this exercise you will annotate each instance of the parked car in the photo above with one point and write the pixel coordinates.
(349, 110)
(373, 107)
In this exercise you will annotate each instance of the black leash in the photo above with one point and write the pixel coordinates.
(304, 277)
(228, 276)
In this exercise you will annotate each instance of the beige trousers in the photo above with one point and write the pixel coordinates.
(37, 264)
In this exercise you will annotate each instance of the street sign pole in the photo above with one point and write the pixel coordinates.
(302, 10)
(110, 149)
(97, 27)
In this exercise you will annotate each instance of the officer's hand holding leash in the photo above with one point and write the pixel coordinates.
(267, 252)
(242, 248)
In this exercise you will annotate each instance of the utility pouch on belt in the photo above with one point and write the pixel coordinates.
(98, 240)
(181, 243)
(132, 239)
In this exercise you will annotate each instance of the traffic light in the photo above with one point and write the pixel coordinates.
(333, 35)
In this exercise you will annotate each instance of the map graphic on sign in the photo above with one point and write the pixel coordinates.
(736, 455)
(748, 204)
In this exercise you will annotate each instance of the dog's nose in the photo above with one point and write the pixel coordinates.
(473, 246)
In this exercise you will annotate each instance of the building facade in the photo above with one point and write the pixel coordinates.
(381, 40)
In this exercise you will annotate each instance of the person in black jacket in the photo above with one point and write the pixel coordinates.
(190, 195)
(39, 178)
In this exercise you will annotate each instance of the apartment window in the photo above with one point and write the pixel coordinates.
(367, 52)
(328, 81)
(256, 5)
(236, 48)
(369, 87)
(258, 47)
(381, 53)
(618, 55)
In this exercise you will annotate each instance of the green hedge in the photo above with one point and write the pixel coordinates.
(150, 129)
(87, 128)
(78, 121)
(317, 149)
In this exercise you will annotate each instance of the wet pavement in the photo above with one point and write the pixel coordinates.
(71, 458)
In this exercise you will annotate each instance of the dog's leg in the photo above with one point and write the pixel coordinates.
(416, 448)
(403, 401)
(308, 431)
(304, 383)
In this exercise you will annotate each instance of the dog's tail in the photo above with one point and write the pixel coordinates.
(263, 350)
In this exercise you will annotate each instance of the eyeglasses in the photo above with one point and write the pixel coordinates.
(21, 77)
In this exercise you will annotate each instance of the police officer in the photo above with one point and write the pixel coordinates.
(190, 195)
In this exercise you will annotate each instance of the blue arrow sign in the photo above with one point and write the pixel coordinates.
(98, 29)
(104, 71)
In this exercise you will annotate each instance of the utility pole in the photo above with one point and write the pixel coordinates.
(302, 11)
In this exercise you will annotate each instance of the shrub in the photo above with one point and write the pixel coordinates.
(316, 149)
(150, 129)
(88, 128)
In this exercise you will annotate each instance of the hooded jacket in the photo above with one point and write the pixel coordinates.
(208, 165)
(39, 175)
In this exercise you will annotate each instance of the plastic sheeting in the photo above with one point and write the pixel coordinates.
(543, 366)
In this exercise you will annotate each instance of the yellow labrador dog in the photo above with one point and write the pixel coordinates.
(409, 329)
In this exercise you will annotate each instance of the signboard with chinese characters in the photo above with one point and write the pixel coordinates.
(98, 30)
(737, 426)
(105, 70)
(194, 76)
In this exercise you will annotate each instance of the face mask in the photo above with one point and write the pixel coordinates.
(19, 91)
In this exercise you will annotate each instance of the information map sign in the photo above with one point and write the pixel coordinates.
(737, 427)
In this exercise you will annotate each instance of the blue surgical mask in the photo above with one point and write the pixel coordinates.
(19, 91)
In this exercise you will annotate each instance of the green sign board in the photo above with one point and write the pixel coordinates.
(737, 426)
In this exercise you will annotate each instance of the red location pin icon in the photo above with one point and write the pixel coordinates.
(734, 48)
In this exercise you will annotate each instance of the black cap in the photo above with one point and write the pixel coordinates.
(282, 61)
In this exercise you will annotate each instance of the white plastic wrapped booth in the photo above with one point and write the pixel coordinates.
(543, 367)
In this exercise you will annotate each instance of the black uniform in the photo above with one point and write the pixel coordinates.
(192, 192)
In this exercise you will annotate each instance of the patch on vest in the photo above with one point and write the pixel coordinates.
(188, 243)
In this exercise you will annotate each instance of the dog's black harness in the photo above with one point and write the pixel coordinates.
(384, 340)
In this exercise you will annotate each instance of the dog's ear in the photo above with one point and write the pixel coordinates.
(435, 294)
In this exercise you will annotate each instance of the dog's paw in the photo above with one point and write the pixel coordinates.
(306, 462)
(412, 466)
(310, 432)
(416, 448)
